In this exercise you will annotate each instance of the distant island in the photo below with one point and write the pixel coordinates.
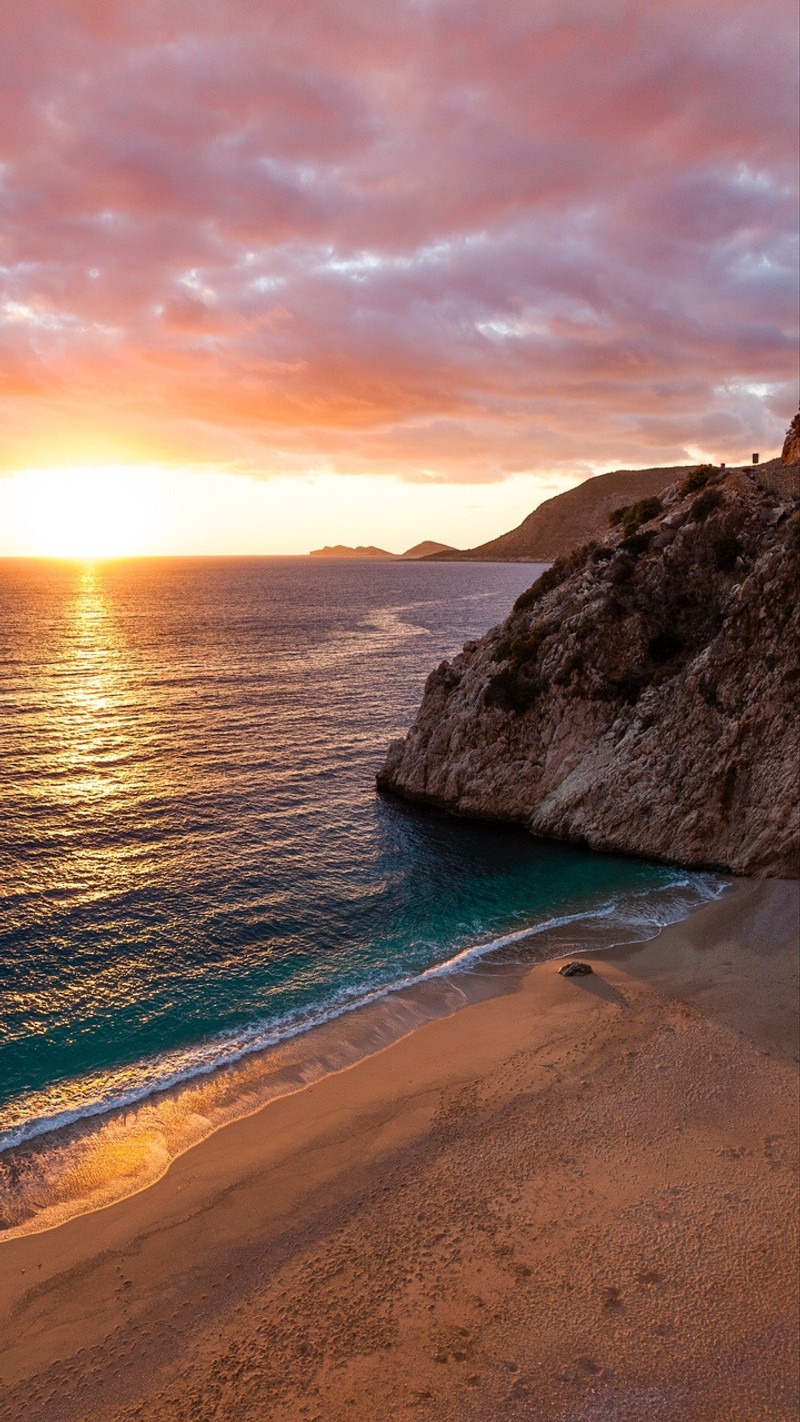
(567, 520)
(426, 549)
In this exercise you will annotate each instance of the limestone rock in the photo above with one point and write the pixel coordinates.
(791, 445)
(641, 695)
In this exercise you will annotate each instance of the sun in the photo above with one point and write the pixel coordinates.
(110, 511)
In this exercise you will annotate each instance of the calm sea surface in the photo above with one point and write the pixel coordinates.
(194, 863)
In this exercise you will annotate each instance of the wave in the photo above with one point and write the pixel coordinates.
(168, 1070)
(124, 1133)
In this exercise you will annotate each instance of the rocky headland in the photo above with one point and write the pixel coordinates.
(561, 523)
(641, 696)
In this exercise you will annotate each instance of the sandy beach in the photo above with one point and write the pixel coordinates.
(575, 1202)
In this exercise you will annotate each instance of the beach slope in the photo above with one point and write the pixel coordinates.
(575, 1201)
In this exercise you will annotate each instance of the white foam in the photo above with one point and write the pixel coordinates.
(126, 1141)
(164, 1073)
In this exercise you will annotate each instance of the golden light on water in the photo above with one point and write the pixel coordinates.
(112, 511)
(89, 712)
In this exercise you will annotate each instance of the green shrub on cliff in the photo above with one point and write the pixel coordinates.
(554, 576)
(513, 689)
(706, 503)
(698, 478)
(630, 516)
(517, 685)
(523, 647)
(727, 549)
(636, 543)
(664, 647)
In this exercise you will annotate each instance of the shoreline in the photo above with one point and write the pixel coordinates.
(144, 1134)
(465, 1222)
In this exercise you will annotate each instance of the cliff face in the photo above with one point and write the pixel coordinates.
(640, 697)
(791, 445)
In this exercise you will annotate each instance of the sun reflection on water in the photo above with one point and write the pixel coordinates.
(86, 761)
(91, 689)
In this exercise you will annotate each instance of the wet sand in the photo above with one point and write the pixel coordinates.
(575, 1202)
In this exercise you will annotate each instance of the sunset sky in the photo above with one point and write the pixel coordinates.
(275, 274)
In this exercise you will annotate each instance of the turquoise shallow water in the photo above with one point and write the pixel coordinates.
(195, 863)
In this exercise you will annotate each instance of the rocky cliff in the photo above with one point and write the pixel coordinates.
(561, 523)
(791, 445)
(641, 695)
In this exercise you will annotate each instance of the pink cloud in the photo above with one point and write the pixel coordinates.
(447, 238)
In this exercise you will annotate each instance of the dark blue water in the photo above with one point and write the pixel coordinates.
(193, 857)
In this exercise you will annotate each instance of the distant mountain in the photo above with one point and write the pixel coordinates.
(575, 517)
(340, 550)
(570, 519)
(420, 550)
(427, 549)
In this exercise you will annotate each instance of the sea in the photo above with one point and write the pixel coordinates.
(205, 902)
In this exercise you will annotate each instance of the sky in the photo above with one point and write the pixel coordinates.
(274, 275)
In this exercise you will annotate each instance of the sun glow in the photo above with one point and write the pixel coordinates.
(90, 512)
(107, 512)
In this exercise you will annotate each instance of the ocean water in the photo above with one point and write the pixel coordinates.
(204, 900)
